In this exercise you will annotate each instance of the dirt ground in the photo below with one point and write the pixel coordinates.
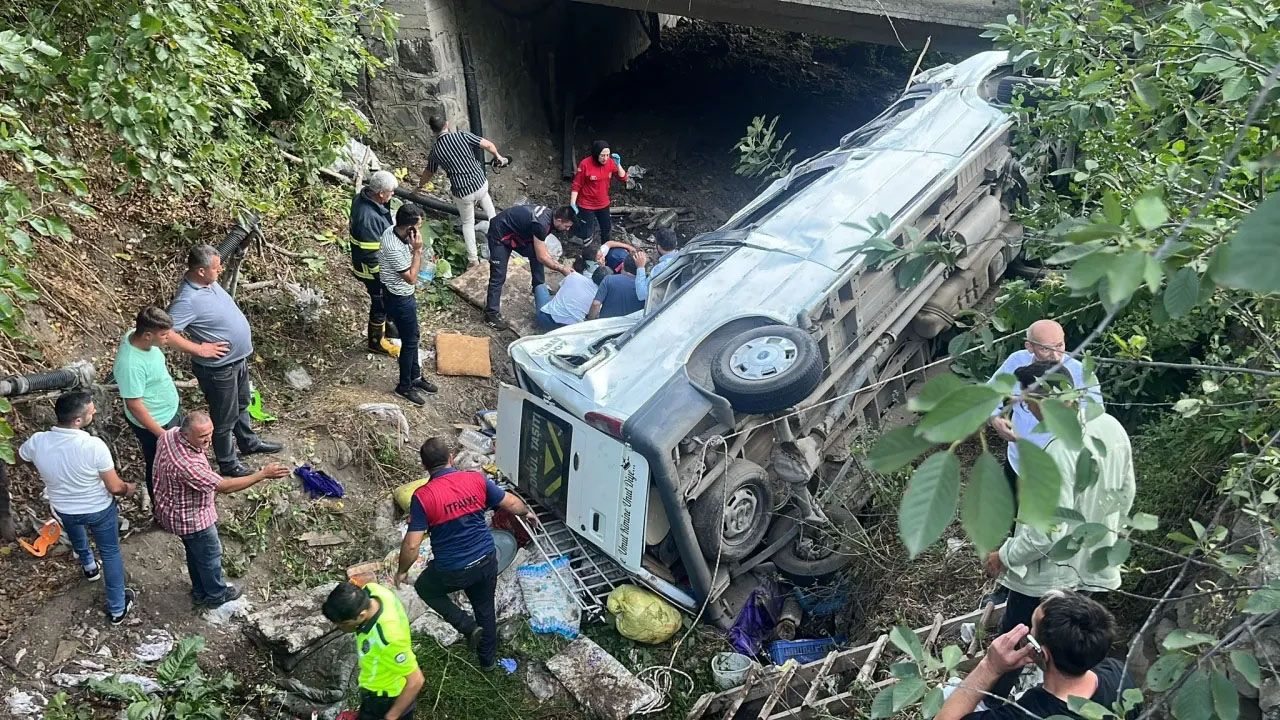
(677, 112)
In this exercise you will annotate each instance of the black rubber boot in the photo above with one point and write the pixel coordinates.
(375, 338)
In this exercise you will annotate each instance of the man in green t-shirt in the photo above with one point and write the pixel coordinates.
(389, 676)
(150, 397)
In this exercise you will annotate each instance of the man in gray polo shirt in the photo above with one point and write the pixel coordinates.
(210, 328)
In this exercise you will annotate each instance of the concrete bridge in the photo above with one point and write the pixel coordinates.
(954, 25)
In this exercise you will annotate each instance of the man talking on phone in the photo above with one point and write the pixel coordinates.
(1069, 638)
(400, 259)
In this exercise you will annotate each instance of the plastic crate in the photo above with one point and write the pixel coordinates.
(802, 651)
(820, 603)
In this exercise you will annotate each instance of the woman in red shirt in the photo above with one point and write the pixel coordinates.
(589, 195)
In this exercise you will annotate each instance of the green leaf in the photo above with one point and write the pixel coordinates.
(1144, 521)
(907, 641)
(1248, 260)
(1182, 292)
(934, 392)
(929, 502)
(952, 655)
(1193, 700)
(1226, 701)
(959, 414)
(1245, 664)
(1089, 270)
(932, 703)
(895, 449)
(1086, 469)
(907, 691)
(1117, 554)
(1149, 211)
(1063, 422)
(1166, 670)
(180, 663)
(1147, 91)
(1237, 88)
(1124, 276)
(1087, 709)
(1039, 486)
(1180, 639)
(911, 271)
(882, 706)
(1263, 601)
(987, 511)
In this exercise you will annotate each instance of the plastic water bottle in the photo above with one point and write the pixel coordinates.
(427, 273)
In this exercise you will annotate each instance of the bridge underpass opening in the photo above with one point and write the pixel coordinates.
(681, 107)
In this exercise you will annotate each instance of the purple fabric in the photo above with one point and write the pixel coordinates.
(755, 622)
(318, 484)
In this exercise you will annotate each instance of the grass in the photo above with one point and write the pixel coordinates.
(456, 687)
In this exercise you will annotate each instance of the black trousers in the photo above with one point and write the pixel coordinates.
(377, 310)
(148, 443)
(227, 390)
(375, 707)
(403, 312)
(479, 582)
(588, 220)
(499, 255)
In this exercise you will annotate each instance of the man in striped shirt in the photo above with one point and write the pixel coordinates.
(185, 486)
(455, 151)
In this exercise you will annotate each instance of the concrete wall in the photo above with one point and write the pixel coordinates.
(525, 54)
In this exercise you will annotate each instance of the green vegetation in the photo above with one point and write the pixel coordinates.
(192, 96)
(1157, 235)
(761, 153)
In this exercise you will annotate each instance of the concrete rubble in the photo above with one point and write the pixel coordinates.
(145, 684)
(154, 646)
(20, 703)
(599, 682)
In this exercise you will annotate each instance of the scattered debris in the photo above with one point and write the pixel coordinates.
(388, 413)
(476, 442)
(729, 669)
(308, 301)
(432, 624)
(540, 682)
(65, 651)
(226, 612)
(508, 664)
(463, 355)
(317, 483)
(599, 682)
(955, 545)
(642, 616)
(634, 174)
(298, 378)
(20, 702)
(552, 609)
(155, 645)
(17, 657)
(145, 684)
(315, 539)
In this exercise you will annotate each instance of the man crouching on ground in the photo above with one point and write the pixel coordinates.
(389, 675)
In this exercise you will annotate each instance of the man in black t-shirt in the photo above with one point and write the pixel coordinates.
(521, 229)
(1069, 638)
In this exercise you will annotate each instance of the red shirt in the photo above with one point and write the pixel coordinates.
(185, 485)
(591, 182)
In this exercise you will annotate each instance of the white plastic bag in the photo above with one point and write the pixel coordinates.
(551, 608)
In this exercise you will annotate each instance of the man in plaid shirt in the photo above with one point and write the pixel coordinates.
(185, 485)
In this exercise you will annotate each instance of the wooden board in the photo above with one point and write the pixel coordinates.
(845, 661)
(517, 292)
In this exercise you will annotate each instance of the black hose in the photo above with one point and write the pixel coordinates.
(473, 91)
(36, 382)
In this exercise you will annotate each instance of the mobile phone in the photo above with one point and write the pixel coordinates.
(1036, 649)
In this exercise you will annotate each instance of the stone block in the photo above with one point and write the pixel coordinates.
(599, 682)
(416, 55)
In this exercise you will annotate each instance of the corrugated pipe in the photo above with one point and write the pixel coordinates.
(78, 374)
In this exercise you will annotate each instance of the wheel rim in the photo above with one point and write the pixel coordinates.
(763, 357)
(740, 511)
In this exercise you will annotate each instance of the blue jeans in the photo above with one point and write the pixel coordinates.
(105, 527)
(204, 565)
(402, 311)
(542, 296)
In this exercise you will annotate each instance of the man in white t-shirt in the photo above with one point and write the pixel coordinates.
(570, 303)
(80, 479)
(1046, 342)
